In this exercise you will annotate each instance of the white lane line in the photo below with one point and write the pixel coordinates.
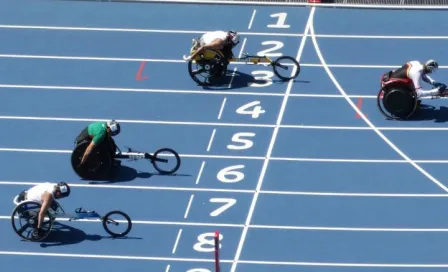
(381, 135)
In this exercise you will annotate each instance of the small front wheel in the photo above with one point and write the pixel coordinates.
(162, 158)
(286, 63)
(107, 222)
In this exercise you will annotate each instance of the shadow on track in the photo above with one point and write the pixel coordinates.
(63, 235)
(237, 80)
(427, 113)
(127, 174)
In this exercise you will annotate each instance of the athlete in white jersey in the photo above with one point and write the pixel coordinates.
(224, 41)
(44, 194)
(416, 72)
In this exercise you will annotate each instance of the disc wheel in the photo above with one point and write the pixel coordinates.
(108, 222)
(162, 157)
(397, 103)
(24, 220)
(282, 64)
(209, 67)
(98, 163)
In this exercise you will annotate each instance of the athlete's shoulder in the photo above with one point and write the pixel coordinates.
(98, 126)
(415, 63)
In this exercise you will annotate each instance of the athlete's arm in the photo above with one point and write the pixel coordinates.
(46, 201)
(87, 152)
(97, 139)
(429, 80)
(216, 44)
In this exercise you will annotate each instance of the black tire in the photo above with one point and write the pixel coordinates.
(276, 65)
(29, 211)
(210, 65)
(98, 165)
(157, 159)
(107, 221)
(397, 101)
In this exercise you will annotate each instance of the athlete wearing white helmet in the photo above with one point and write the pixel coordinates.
(416, 71)
(224, 41)
(45, 194)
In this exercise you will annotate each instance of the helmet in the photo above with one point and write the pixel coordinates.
(233, 37)
(431, 66)
(63, 189)
(114, 127)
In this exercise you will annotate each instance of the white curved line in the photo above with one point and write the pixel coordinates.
(341, 90)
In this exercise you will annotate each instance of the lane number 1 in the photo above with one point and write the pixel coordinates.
(280, 21)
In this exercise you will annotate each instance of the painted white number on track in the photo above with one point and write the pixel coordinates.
(230, 175)
(238, 137)
(268, 52)
(206, 242)
(229, 202)
(280, 21)
(262, 81)
(255, 112)
(198, 270)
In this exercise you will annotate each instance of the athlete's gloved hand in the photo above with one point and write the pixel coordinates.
(37, 234)
(441, 86)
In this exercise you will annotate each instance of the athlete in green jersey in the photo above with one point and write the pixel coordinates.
(100, 135)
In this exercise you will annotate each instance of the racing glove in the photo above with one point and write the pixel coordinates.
(37, 234)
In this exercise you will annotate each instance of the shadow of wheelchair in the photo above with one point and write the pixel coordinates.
(237, 80)
(63, 235)
(428, 112)
(128, 174)
(121, 174)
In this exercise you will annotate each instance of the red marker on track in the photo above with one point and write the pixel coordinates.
(359, 105)
(140, 71)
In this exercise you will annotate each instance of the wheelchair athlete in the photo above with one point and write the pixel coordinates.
(224, 41)
(415, 71)
(99, 134)
(45, 194)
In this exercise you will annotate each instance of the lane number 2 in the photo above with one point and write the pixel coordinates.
(269, 51)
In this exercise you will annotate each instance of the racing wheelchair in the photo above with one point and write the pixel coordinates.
(100, 162)
(397, 98)
(212, 64)
(24, 219)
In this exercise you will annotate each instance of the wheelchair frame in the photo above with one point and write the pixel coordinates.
(59, 213)
(211, 57)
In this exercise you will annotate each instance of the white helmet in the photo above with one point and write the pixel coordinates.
(432, 66)
(114, 127)
(233, 37)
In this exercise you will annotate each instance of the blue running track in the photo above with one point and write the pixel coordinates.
(305, 183)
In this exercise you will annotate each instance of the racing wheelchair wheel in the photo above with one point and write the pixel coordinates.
(98, 165)
(157, 160)
(397, 101)
(210, 66)
(277, 64)
(24, 221)
(107, 221)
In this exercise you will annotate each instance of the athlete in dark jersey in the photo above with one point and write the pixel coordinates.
(99, 134)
